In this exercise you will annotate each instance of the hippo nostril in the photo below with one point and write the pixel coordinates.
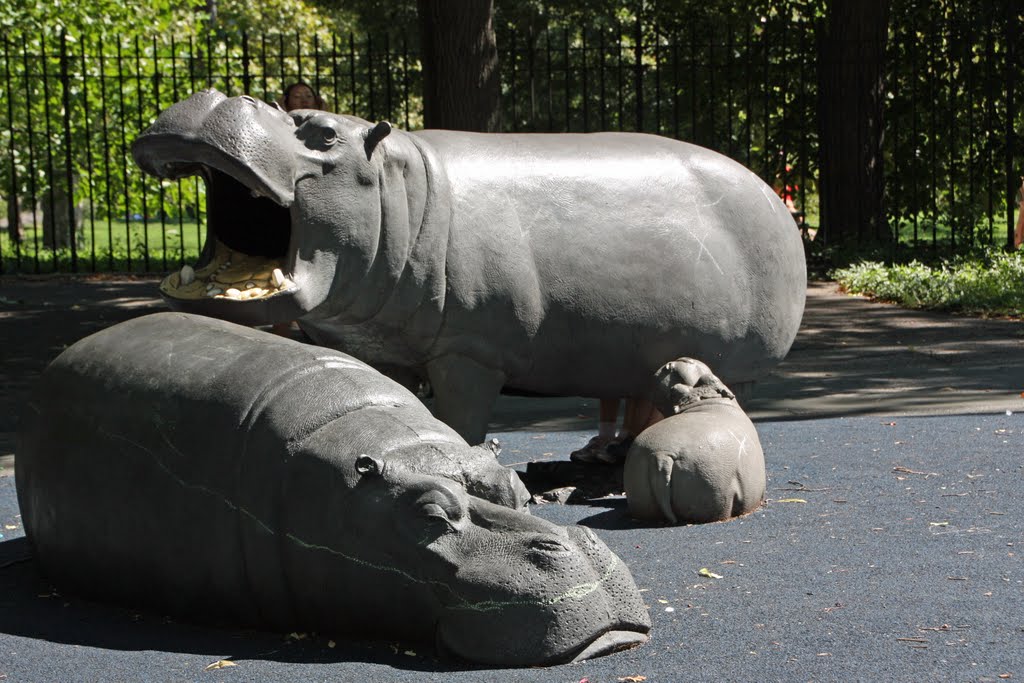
(583, 535)
(548, 545)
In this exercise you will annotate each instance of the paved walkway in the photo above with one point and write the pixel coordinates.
(890, 547)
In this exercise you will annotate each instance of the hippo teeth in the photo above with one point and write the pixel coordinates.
(228, 275)
(277, 277)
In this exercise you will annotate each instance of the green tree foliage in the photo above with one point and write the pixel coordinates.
(91, 18)
(739, 77)
(954, 130)
(112, 66)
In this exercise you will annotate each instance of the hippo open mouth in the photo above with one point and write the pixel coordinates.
(246, 246)
(243, 273)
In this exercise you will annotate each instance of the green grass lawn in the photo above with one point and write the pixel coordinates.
(114, 246)
(942, 232)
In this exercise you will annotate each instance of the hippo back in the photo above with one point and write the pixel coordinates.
(595, 258)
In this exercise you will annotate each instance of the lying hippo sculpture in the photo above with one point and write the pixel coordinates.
(205, 468)
(551, 264)
(702, 463)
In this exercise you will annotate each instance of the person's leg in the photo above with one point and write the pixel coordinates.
(608, 416)
(640, 414)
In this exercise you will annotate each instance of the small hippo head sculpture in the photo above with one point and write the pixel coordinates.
(683, 383)
(703, 462)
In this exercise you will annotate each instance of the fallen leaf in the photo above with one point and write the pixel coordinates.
(220, 664)
(409, 653)
(632, 679)
(938, 523)
(1005, 675)
(331, 644)
(791, 500)
(664, 602)
(704, 571)
(295, 635)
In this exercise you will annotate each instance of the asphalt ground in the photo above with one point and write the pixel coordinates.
(889, 547)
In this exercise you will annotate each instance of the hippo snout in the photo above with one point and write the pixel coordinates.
(541, 596)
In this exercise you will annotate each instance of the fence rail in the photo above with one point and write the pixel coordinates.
(76, 202)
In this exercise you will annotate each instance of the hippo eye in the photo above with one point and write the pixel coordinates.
(330, 136)
(434, 510)
(435, 505)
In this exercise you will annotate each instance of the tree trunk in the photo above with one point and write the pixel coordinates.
(851, 77)
(461, 86)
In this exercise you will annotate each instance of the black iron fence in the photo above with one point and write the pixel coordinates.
(70, 109)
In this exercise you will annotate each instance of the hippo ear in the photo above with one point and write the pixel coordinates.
(365, 465)
(374, 136)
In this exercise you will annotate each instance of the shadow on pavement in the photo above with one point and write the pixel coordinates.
(32, 609)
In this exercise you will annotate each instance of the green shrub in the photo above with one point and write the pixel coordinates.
(991, 283)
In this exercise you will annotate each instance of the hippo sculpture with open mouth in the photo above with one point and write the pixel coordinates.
(572, 264)
(204, 468)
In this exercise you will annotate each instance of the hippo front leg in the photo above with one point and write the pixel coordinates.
(464, 394)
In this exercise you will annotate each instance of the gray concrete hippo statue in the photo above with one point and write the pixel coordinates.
(702, 463)
(203, 468)
(571, 264)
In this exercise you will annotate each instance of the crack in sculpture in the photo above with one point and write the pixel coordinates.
(577, 592)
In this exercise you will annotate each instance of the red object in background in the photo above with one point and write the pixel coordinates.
(1018, 234)
(788, 191)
